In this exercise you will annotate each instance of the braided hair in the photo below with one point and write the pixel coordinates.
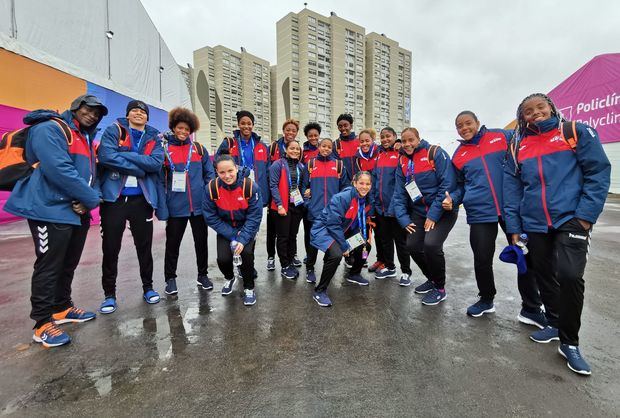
(522, 125)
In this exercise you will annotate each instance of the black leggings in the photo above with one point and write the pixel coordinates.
(389, 232)
(225, 261)
(331, 260)
(175, 229)
(286, 233)
(426, 248)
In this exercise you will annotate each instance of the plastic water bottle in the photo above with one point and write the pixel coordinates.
(522, 243)
(236, 257)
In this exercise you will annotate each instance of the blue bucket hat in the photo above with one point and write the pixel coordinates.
(513, 254)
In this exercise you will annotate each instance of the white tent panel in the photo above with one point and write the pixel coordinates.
(174, 89)
(72, 31)
(5, 16)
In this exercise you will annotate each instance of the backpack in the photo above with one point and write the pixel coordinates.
(312, 164)
(568, 132)
(13, 164)
(214, 192)
(432, 153)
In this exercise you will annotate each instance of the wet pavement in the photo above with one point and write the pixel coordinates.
(376, 352)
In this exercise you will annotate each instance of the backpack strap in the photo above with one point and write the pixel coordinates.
(339, 167)
(432, 152)
(65, 129)
(214, 193)
(122, 134)
(247, 188)
(338, 145)
(199, 148)
(311, 165)
(569, 134)
(272, 149)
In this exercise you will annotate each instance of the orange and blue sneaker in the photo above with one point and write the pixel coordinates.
(50, 335)
(73, 314)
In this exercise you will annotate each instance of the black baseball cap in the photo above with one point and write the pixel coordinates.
(88, 100)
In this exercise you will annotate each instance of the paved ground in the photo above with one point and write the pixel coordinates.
(376, 352)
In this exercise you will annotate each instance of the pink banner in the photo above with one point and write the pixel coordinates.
(592, 96)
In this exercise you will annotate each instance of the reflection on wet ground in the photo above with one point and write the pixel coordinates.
(377, 351)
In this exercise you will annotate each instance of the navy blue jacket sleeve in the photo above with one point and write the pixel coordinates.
(336, 210)
(212, 219)
(253, 217)
(596, 174)
(208, 172)
(275, 172)
(149, 163)
(162, 212)
(445, 174)
(458, 193)
(400, 200)
(513, 194)
(51, 150)
(112, 158)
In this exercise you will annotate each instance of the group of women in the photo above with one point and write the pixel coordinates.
(546, 180)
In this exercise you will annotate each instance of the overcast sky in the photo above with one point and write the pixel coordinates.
(479, 55)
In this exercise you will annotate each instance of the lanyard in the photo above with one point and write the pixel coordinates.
(141, 137)
(243, 148)
(361, 217)
(290, 180)
(409, 170)
(189, 155)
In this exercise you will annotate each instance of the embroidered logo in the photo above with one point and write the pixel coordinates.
(581, 237)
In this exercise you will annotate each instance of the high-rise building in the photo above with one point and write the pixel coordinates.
(388, 83)
(320, 70)
(227, 81)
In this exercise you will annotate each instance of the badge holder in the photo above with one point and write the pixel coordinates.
(178, 181)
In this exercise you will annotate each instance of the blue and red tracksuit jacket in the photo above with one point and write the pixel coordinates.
(66, 172)
(323, 182)
(197, 175)
(383, 180)
(308, 151)
(117, 161)
(232, 215)
(431, 182)
(550, 183)
(345, 148)
(479, 166)
(366, 162)
(339, 220)
(261, 161)
(279, 179)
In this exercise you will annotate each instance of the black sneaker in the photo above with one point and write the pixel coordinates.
(204, 282)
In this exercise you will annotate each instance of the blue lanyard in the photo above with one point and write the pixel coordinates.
(290, 180)
(141, 137)
(409, 170)
(243, 148)
(189, 156)
(361, 217)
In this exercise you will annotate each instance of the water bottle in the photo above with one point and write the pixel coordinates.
(522, 243)
(236, 257)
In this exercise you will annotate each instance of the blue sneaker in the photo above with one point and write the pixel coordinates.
(425, 287)
(108, 305)
(538, 319)
(310, 276)
(271, 264)
(545, 335)
(171, 287)
(151, 297)
(73, 314)
(249, 297)
(322, 299)
(288, 272)
(204, 282)
(50, 335)
(357, 279)
(480, 308)
(296, 261)
(575, 362)
(434, 297)
(228, 287)
(405, 280)
(385, 273)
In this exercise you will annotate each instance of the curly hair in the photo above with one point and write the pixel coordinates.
(290, 122)
(181, 114)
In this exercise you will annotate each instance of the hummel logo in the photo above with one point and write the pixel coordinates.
(424, 159)
(582, 237)
(261, 150)
(334, 168)
(556, 138)
(240, 198)
(522, 147)
(494, 140)
(393, 157)
(463, 154)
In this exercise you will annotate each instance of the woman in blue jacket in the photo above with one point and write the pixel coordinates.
(232, 206)
(424, 176)
(556, 180)
(478, 162)
(342, 230)
(326, 177)
(287, 187)
(187, 169)
(130, 158)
